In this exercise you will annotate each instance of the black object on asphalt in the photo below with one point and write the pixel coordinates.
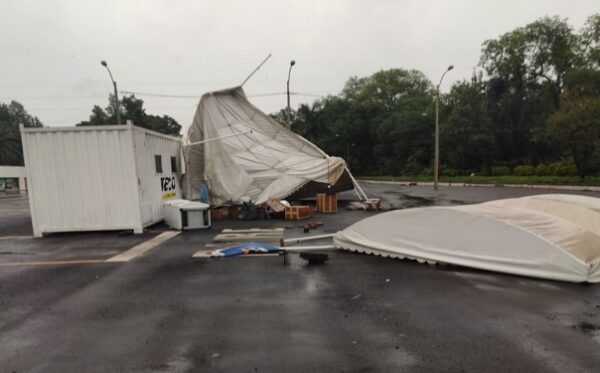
(314, 258)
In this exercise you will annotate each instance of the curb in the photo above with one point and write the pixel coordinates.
(581, 188)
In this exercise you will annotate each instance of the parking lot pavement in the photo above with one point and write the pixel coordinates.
(405, 196)
(163, 311)
(17, 245)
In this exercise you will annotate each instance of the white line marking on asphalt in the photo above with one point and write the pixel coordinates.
(143, 247)
(15, 237)
(53, 262)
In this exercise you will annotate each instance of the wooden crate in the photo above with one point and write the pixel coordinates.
(298, 212)
(326, 203)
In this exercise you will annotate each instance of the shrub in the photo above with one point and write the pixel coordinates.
(500, 171)
(551, 168)
(542, 169)
(447, 171)
(412, 167)
(427, 172)
(524, 170)
(566, 169)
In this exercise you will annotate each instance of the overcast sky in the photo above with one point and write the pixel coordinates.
(51, 50)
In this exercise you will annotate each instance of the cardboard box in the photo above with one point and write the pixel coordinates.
(326, 203)
(219, 214)
(298, 212)
(234, 212)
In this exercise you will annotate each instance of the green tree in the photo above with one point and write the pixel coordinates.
(132, 108)
(467, 135)
(577, 124)
(589, 43)
(404, 138)
(11, 148)
(385, 120)
(376, 123)
(526, 69)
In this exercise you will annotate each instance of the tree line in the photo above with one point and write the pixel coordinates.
(132, 108)
(11, 148)
(533, 107)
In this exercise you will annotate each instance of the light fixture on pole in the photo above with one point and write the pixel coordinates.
(289, 111)
(103, 63)
(436, 161)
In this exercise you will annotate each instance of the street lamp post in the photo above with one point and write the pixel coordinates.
(348, 153)
(289, 111)
(103, 63)
(436, 161)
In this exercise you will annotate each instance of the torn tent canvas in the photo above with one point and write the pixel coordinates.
(251, 157)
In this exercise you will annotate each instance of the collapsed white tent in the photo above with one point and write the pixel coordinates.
(243, 154)
(552, 236)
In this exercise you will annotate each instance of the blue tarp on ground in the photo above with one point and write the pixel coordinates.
(246, 248)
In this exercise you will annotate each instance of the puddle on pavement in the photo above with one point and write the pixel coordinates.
(404, 200)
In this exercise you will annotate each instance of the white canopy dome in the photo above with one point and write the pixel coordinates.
(552, 236)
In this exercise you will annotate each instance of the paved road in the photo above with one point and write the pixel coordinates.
(165, 312)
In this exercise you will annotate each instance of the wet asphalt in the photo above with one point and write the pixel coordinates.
(164, 312)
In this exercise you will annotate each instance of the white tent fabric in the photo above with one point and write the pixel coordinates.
(552, 236)
(252, 157)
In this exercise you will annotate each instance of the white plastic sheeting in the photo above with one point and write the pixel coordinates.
(252, 157)
(551, 236)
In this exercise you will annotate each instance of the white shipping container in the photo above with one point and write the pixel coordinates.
(99, 177)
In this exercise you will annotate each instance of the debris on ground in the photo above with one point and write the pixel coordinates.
(326, 203)
(356, 205)
(298, 212)
(254, 234)
(371, 204)
(314, 258)
(246, 249)
(220, 213)
(312, 225)
(587, 327)
(247, 242)
(250, 211)
(276, 208)
(294, 240)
